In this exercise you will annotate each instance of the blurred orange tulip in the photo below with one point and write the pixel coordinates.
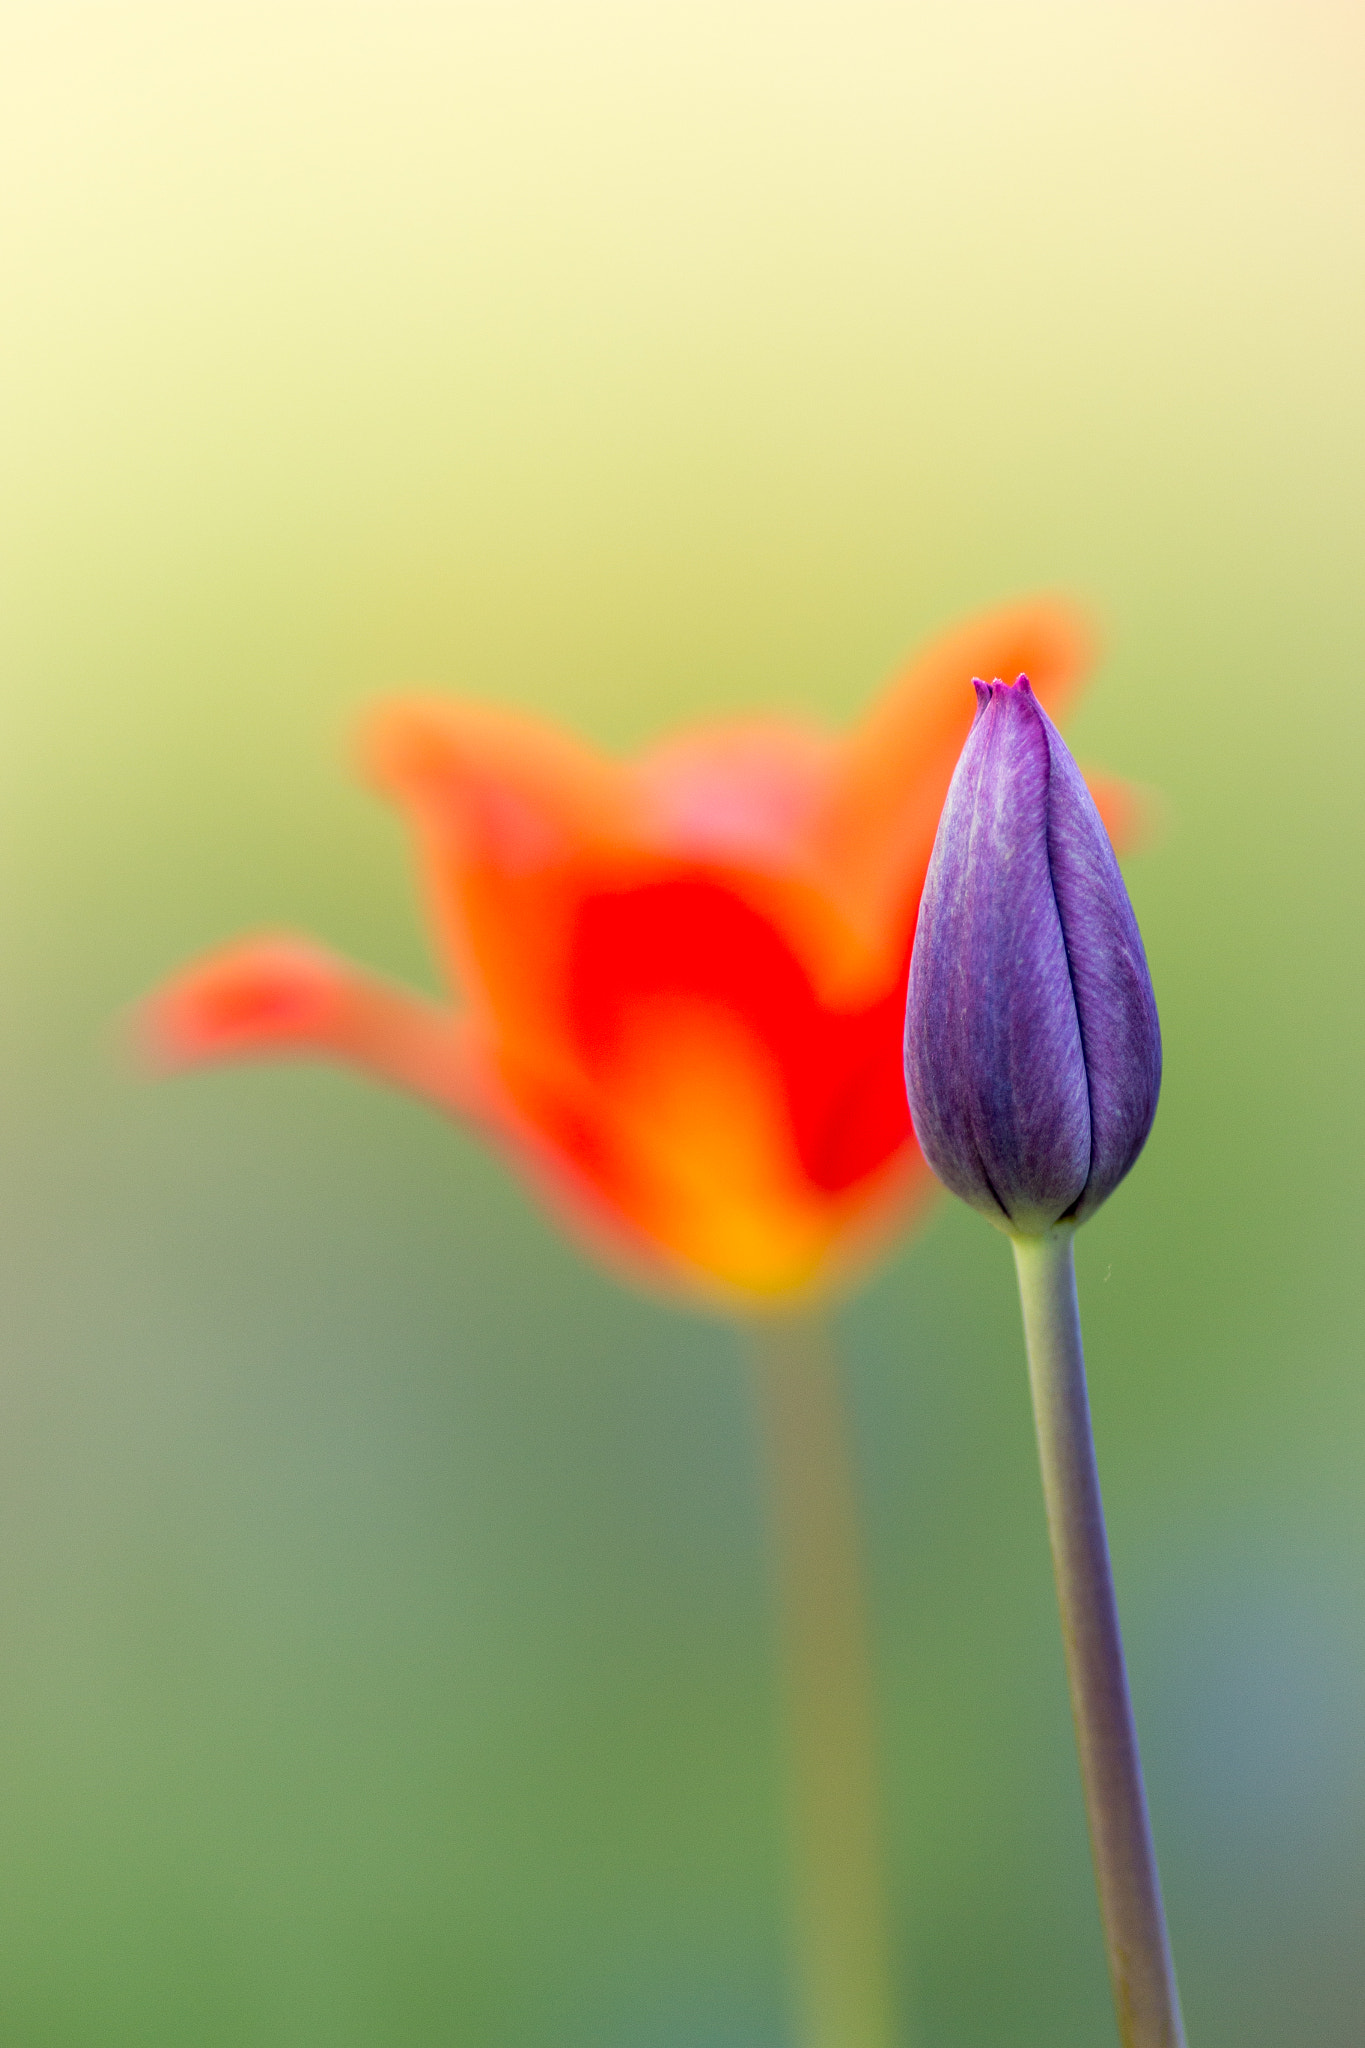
(683, 976)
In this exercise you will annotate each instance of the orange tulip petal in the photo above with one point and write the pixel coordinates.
(276, 996)
(509, 814)
(884, 808)
(744, 795)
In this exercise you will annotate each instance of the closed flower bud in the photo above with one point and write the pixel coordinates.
(1032, 1048)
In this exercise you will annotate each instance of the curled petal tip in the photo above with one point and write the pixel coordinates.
(245, 999)
(986, 692)
(404, 746)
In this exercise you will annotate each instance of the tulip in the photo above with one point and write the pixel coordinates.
(683, 977)
(682, 982)
(1032, 1048)
(1032, 1067)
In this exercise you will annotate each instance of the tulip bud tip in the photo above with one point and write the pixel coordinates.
(1021, 687)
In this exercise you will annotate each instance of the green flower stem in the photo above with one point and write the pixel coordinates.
(843, 1963)
(1111, 1771)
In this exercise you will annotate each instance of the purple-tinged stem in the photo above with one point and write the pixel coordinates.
(842, 1957)
(1111, 1771)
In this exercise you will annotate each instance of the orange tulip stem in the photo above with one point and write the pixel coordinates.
(842, 1947)
(1111, 1771)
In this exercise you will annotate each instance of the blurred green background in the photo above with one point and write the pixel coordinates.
(384, 1643)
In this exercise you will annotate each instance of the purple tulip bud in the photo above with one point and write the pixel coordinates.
(1032, 1048)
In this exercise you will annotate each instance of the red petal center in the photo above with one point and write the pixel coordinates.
(692, 937)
